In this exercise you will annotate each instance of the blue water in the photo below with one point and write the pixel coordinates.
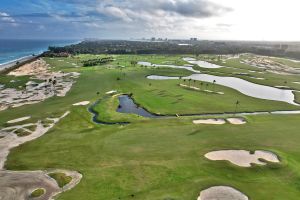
(14, 49)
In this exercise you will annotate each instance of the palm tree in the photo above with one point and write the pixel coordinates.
(207, 86)
(236, 106)
(190, 82)
(98, 93)
(194, 82)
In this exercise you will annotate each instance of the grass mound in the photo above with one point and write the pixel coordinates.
(61, 178)
(37, 193)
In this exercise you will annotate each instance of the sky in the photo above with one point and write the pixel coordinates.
(261, 20)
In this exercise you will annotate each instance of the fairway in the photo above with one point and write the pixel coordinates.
(159, 158)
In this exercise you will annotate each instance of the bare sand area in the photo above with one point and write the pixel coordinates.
(236, 121)
(83, 103)
(210, 121)
(270, 65)
(11, 139)
(20, 184)
(18, 120)
(243, 158)
(215, 121)
(199, 89)
(52, 84)
(222, 193)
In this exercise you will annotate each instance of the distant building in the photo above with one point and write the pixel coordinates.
(194, 39)
(153, 39)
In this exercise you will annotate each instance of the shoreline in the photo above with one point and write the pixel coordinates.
(6, 67)
(12, 64)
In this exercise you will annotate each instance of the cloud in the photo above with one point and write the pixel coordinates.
(6, 18)
(126, 18)
(116, 12)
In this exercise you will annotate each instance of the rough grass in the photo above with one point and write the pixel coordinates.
(297, 97)
(37, 193)
(21, 133)
(61, 178)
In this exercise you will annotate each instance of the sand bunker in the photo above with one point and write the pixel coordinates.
(210, 121)
(11, 140)
(199, 89)
(18, 120)
(83, 103)
(111, 92)
(236, 121)
(52, 84)
(221, 193)
(243, 158)
(19, 185)
(270, 65)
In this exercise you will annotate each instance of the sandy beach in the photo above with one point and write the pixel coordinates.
(11, 64)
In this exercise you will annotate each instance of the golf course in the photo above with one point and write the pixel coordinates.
(154, 127)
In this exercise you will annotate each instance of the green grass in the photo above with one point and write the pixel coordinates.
(61, 178)
(297, 97)
(21, 133)
(156, 158)
(37, 193)
(14, 82)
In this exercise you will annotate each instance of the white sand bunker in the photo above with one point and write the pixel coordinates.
(50, 84)
(111, 92)
(19, 185)
(11, 139)
(236, 121)
(243, 158)
(210, 121)
(18, 120)
(221, 193)
(83, 103)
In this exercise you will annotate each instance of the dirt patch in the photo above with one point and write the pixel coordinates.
(243, 158)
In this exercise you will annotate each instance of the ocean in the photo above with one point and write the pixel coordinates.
(11, 50)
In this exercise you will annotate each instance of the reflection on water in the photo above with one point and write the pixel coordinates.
(127, 105)
(202, 64)
(187, 67)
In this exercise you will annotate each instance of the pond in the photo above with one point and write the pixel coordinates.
(202, 64)
(187, 67)
(243, 86)
(127, 105)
